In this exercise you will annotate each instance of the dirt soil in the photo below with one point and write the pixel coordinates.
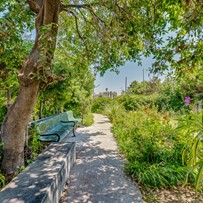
(174, 195)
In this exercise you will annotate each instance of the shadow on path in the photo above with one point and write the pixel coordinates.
(98, 174)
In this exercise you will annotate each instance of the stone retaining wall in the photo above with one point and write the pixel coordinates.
(42, 181)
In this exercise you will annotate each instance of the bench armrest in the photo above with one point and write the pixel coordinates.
(66, 122)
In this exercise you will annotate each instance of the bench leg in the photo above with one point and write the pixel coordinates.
(74, 131)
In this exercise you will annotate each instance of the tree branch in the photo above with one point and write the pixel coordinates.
(85, 19)
(85, 6)
(77, 29)
(88, 7)
(66, 7)
(95, 15)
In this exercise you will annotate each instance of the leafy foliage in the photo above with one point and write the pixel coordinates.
(100, 103)
(171, 96)
(112, 110)
(71, 87)
(34, 147)
(168, 95)
(15, 21)
(34, 143)
(133, 102)
(192, 127)
(153, 150)
(144, 88)
(88, 119)
(182, 46)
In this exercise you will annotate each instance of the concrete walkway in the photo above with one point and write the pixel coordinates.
(98, 175)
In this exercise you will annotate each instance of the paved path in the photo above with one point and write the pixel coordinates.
(97, 176)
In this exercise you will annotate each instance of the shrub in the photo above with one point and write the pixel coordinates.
(191, 127)
(153, 150)
(34, 147)
(171, 97)
(88, 119)
(136, 102)
(2, 180)
(113, 111)
(100, 103)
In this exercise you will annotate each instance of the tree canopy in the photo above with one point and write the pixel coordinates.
(88, 35)
(181, 49)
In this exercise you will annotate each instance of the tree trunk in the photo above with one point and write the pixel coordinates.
(32, 75)
(14, 129)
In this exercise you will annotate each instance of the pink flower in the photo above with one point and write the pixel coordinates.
(187, 100)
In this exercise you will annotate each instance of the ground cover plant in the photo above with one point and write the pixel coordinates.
(152, 147)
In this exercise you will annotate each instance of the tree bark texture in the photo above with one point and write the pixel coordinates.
(15, 123)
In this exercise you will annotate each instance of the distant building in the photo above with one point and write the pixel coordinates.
(109, 94)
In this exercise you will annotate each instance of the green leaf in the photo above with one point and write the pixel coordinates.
(199, 177)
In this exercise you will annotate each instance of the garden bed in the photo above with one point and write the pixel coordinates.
(177, 194)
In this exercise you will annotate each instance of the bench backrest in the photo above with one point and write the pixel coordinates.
(68, 115)
(51, 122)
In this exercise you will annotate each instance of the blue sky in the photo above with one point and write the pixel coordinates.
(116, 83)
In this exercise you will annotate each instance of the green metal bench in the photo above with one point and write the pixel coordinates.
(55, 128)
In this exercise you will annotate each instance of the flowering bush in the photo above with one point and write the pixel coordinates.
(187, 100)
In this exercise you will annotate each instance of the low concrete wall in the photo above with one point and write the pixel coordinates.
(42, 181)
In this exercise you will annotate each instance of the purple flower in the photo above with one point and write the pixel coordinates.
(187, 100)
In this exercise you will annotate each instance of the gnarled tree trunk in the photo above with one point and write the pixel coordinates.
(17, 118)
(14, 128)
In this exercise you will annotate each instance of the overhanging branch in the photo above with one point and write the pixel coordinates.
(67, 7)
(84, 6)
(85, 19)
(77, 29)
